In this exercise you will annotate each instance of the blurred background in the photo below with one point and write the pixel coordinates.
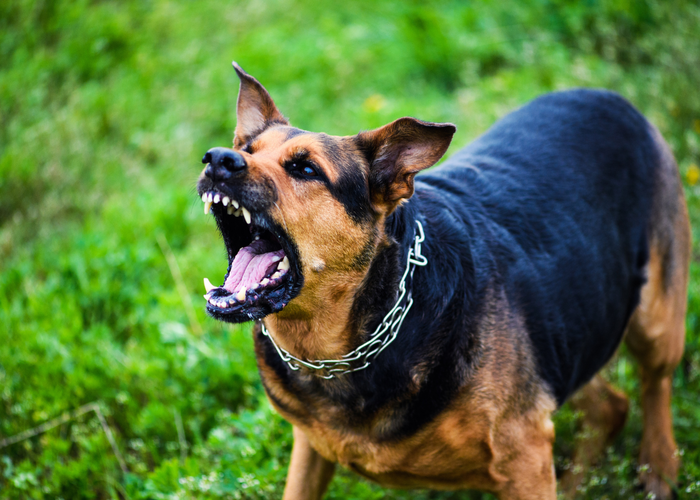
(106, 109)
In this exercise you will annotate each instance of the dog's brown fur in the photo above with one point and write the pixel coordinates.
(497, 434)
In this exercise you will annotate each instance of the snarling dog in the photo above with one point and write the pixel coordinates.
(421, 331)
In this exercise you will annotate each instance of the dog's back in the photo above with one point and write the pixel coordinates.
(559, 193)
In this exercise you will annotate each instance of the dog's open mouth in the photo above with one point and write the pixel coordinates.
(263, 268)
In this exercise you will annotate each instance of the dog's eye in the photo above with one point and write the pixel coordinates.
(303, 168)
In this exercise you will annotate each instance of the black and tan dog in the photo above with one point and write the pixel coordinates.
(421, 332)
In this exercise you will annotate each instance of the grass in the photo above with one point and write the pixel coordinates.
(105, 110)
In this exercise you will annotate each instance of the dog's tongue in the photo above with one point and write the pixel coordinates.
(251, 264)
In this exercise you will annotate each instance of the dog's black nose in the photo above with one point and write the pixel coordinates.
(223, 163)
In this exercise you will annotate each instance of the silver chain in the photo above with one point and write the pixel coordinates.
(379, 340)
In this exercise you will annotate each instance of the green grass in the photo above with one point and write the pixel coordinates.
(105, 110)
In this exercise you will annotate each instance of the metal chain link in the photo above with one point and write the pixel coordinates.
(379, 340)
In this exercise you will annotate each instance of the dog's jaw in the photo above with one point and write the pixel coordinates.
(264, 272)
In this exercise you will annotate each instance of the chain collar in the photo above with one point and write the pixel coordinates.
(386, 332)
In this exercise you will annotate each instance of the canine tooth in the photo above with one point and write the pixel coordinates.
(234, 203)
(207, 285)
(216, 198)
(246, 215)
(225, 200)
(207, 206)
(229, 209)
(284, 265)
(240, 296)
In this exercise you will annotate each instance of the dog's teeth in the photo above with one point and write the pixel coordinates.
(246, 215)
(210, 197)
(276, 274)
(234, 203)
(240, 296)
(207, 206)
(216, 198)
(284, 265)
(257, 237)
(204, 197)
(264, 281)
(237, 213)
(225, 200)
(207, 285)
(229, 209)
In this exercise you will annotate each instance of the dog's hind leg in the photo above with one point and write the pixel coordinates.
(656, 333)
(604, 411)
(309, 473)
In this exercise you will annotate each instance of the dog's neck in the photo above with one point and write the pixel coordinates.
(351, 307)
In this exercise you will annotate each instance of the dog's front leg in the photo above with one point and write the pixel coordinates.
(309, 473)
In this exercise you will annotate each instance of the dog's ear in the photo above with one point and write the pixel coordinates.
(397, 152)
(255, 110)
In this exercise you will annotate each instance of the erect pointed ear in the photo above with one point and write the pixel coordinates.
(397, 152)
(255, 110)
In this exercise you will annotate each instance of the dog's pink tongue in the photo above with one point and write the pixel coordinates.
(250, 265)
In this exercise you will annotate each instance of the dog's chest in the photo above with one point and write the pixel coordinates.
(437, 456)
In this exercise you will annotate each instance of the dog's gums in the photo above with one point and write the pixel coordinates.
(259, 279)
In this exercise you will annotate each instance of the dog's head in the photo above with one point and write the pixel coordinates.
(302, 213)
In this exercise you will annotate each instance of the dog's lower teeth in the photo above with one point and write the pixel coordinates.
(240, 296)
(284, 265)
(229, 209)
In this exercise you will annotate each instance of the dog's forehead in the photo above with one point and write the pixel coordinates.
(336, 155)
(342, 163)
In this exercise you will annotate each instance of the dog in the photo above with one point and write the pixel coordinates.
(422, 330)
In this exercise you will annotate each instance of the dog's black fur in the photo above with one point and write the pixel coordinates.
(549, 210)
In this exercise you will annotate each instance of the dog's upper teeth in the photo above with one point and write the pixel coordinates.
(210, 196)
(229, 209)
(284, 265)
(204, 197)
(246, 215)
(216, 198)
(207, 206)
(225, 200)
(234, 203)
(207, 285)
